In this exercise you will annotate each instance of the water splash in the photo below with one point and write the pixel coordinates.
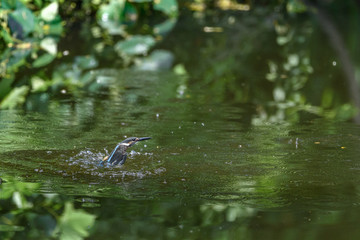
(138, 165)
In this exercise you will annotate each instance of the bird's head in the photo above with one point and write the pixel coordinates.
(132, 140)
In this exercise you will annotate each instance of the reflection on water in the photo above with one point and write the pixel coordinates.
(206, 173)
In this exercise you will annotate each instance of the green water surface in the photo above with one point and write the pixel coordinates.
(207, 172)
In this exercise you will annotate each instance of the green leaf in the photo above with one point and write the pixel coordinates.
(5, 86)
(142, 1)
(180, 69)
(158, 60)
(49, 44)
(110, 16)
(55, 27)
(8, 4)
(43, 60)
(169, 7)
(295, 6)
(74, 224)
(86, 62)
(16, 58)
(15, 98)
(38, 84)
(135, 45)
(6, 36)
(165, 27)
(25, 20)
(50, 12)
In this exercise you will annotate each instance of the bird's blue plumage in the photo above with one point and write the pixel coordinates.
(119, 155)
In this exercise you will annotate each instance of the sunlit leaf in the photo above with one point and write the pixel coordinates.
(74, 224)
(38, 84)
(50, 12)
(15, 98)
(156, 61)
(279, 94)
(180, 69)
(49, 44)
(295, 6)
(135, 45)
(169, 7)
(293, 60)
(110, 16)
(43, 60)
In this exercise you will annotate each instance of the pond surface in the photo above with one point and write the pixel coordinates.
(207, 172)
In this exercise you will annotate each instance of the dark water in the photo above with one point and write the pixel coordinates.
(207, 172)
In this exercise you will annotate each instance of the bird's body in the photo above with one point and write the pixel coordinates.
(119, 154)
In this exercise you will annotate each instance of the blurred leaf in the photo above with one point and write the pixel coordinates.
(8, 4)
(345, 112)
(110, 16)
(5, 86)
(25, 19)
(169, 7)
(20, 201)
(43, 60)
(54, 28)
(130, 14)
(295, 6)
(156, 61)
(165, 27)
(12, 186)
(279, 94)
(49, 44)
(15, 98)
(6, 36)
(74, 224)
(38, 84)
(180, 69)
(135, 45)
(293, 60)
(86, 62)
(50, 12)
(327, 98)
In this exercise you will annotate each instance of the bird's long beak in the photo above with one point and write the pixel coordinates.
(144, 138)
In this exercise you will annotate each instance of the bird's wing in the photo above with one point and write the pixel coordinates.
(122, 159)
(116, 154)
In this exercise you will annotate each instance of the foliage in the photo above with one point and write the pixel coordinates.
(23, 210)
(273, 63)
(32, 32)
(258, 53)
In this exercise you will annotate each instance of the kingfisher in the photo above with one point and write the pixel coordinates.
(119, 154)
